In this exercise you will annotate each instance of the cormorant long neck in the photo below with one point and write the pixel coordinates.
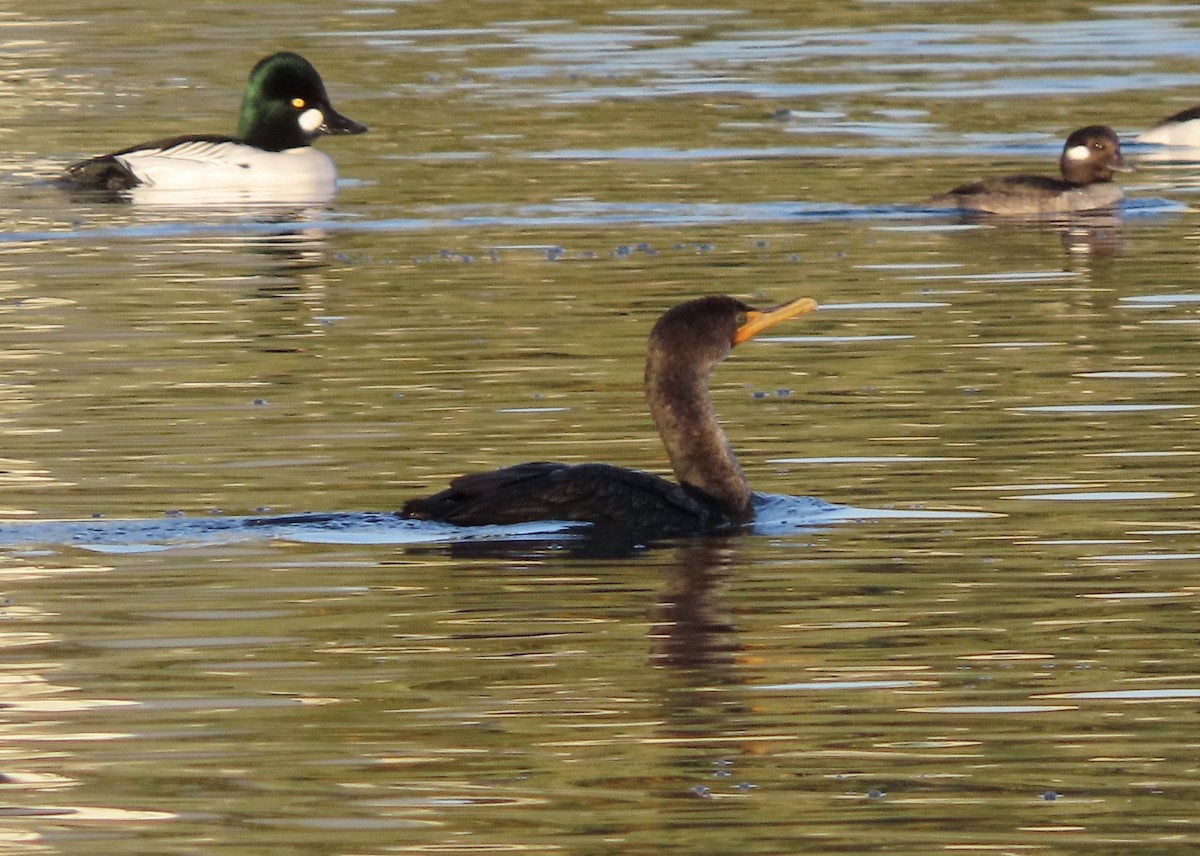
(677, 393)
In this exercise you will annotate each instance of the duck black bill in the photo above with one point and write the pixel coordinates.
(336, 123)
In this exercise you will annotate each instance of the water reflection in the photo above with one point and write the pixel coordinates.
(909, 681)
(690, 623)
(299, 203)
(775, 515)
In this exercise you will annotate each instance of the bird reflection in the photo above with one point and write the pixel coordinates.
(1090, 236)
(706, 714)
(292, 261)
(690, 626)
(1085, 237)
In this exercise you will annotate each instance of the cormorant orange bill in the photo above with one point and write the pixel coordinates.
(758, 320)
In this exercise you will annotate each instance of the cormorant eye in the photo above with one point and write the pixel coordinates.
(739, 320)
(298, 103)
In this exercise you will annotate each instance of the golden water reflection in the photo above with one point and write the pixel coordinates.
(478, 293)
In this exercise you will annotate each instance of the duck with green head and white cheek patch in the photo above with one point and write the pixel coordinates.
(1088, 162)
(284, 109)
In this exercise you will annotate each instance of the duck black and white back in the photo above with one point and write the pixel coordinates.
(1180, 129)
(284, 109)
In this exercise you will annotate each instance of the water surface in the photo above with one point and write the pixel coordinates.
(998, 657)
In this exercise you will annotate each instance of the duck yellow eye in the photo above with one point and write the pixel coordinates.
(298, 103)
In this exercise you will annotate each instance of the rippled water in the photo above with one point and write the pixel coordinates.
(966, 619)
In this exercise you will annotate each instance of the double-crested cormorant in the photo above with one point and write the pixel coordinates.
(1089, 158)
(711, 494)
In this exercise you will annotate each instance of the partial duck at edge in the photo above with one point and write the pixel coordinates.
(1181, 129)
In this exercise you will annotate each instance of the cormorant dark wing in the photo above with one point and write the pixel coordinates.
(600, 494)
